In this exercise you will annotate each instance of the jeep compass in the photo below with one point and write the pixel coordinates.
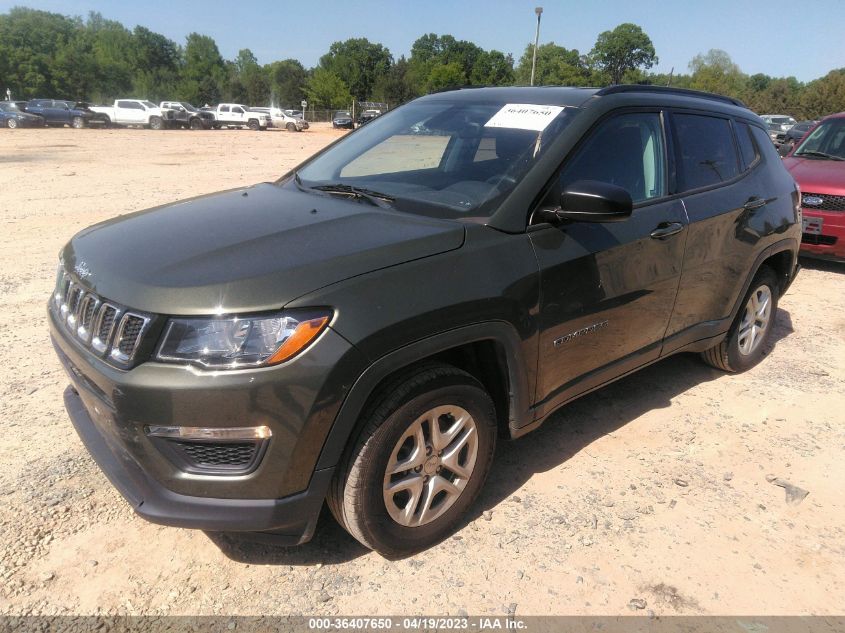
(362, 331)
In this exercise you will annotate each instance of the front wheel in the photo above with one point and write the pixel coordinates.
(748, 339)
(291, 127)
(77, 122)
(196, 124)
(419, 462)
(253, 125)
(11, 123)
(156, 123)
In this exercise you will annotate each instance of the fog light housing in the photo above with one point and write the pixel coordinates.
(228, 451)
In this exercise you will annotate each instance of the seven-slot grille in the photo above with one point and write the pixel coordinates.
(829, 202)
(106, 328)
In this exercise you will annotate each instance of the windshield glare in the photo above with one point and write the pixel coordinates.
(439, 158)
(827, 138)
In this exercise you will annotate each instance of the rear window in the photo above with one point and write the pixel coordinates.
(747, 150)
(706, 152)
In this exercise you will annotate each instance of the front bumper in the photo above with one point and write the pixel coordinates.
(291, 519)
(830, 244)
(113, 409)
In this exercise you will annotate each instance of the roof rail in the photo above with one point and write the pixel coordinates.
(610, 90)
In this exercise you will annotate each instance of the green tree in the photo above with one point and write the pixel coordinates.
(556, 66)
(203, 70)
(825, 95)
(395, 87)
(444, 76)
(492, 68)
(715, 71)
(252, 78)
(358, 63)
(623, 49)
(326, 89)
(287, 82)
(156, 64)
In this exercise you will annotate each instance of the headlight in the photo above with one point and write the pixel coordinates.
(239, 342)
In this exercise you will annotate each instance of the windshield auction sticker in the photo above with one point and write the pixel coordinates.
(524, 116)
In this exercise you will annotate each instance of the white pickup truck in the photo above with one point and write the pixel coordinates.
(135, 112)
(237, 115)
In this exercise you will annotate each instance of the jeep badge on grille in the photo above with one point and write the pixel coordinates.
(82, 270)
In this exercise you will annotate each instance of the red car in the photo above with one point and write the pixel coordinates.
(818, 165)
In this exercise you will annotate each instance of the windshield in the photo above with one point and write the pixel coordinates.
(149, 105)
(188, 107)
(442, 158)
(341, 113)
(826, 141)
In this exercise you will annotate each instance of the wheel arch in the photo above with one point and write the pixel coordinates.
(782, 257)
(488, 351)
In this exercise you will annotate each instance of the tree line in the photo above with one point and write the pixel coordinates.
(45, 54)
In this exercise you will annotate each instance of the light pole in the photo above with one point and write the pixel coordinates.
(539, 12)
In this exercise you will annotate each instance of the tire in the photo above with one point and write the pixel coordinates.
(291, 127)
(253, 125)
(77, 122)
(156, 123)
(431, 499)
(195, 124)
(106, 122)
(747, 341)
(12, 124)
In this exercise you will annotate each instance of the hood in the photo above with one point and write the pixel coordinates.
(817, 176)
(247, 250)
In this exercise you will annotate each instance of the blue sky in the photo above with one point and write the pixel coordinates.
(776, 37)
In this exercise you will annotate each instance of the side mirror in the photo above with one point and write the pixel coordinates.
(594, 201)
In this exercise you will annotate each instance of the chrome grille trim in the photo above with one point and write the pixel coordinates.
(101, 340)
(107, 329)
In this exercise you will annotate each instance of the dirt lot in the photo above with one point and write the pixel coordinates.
(654, 488)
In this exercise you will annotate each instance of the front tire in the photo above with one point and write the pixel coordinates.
(196, 124)
(12, 124)
(747, 342)
(291, 127)
(253, 125)
(418, 463)
(77, 123)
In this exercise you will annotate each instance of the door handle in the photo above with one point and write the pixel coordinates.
(667, 229)
(754, 203)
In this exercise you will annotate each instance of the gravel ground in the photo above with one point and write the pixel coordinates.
(679, 490)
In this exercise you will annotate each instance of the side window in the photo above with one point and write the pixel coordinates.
(747, 150)
(706, 153)
(764, 143)
(626, 151)
(224, 108)
(238, 110)
(123, 104)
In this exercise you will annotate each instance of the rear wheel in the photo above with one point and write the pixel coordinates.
(748, 339)
(11, 123)
(418, 463)
(156, 123)
(77, 122)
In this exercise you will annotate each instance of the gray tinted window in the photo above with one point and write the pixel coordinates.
(626, 151)
(706, 154)
(747, 151)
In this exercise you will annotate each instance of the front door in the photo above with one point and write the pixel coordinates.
(607, 289)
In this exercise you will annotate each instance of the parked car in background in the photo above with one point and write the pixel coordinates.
(343, 119)
(787, 140)
(783, 120)
(135, 112)
(237, 115)
(12, 116)
(367, 115)
(818, 165)
(60, 113)
(360, 332)
(295, 113)
(280, 119)
(188, 116)
(773, 130)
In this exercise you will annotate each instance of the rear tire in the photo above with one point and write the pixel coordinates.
(77, 122)
(156, 123)
(12, 124)
(398, 510)
(747, 342)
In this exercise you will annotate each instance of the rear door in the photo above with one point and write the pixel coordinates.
(223, 114)
(607, 289)
(724, 195)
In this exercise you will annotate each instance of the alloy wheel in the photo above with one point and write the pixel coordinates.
(755, 320)
(430, 465)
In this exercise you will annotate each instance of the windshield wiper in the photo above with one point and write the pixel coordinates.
(812, 152)
(373, 197)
